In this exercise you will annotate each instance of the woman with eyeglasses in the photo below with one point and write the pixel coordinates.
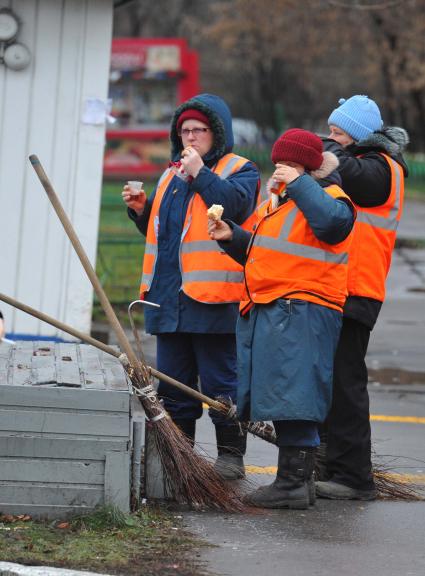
(197, 286)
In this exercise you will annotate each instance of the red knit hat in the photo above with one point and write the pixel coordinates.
(192, 114)
(300, 146)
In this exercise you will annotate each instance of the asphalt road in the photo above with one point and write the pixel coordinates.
(333, 538)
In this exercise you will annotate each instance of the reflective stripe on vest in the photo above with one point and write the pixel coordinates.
(208, 274)
(281, 244)
(374, 240)
(286, 259)
(151, 244)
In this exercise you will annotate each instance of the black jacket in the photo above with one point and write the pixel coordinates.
(366, 179)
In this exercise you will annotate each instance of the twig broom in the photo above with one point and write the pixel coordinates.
(390, 486)
(191, 478)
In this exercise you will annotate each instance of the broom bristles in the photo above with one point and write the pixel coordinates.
(190, 478)
(393, 486)
(389, 485)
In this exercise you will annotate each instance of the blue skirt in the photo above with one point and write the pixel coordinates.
(286, 351)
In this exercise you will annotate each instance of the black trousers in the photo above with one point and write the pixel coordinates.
(348, 424)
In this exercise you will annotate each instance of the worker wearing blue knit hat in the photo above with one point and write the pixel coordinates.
(372, 171)
(359, 116)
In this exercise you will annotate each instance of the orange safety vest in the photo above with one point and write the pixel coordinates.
(286, 260)
(374, 239)
(208, 274)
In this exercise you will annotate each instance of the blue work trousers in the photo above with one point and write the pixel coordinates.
(296, 433)
(187, 356)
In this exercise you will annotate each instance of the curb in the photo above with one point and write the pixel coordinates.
(11, 569)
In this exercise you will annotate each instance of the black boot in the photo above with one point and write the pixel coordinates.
(188, 427)
(293, 485)
(231, 447)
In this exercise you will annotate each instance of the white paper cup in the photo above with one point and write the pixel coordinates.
(135, 187)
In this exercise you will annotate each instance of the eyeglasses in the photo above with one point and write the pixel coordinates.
(195, 131)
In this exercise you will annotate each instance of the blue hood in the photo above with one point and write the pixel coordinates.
(220, 119)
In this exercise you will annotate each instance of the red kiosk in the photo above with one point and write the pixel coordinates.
(149, 79)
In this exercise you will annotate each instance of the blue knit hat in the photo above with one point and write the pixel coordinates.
(359, 116)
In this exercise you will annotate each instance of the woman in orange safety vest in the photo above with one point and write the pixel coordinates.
(295, 266)
(197, 286)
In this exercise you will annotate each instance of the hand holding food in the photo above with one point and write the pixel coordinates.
(191, 161)
(287, 174)
(215, 212)
(219, 230)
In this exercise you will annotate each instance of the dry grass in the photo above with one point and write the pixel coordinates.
(150, 542)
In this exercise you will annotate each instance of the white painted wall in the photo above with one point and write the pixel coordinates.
(40, 113)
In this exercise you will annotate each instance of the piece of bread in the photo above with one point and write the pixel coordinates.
(215, 211)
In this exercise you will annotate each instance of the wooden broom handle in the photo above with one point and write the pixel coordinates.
(60, 325)
(109, 350)
(69, 229)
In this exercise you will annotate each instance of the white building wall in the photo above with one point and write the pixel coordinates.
(40, 113)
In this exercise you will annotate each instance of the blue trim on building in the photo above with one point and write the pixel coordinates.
(18, 336)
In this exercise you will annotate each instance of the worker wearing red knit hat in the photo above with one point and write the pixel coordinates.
(295, 268)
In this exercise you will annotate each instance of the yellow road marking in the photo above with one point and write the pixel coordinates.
(405, 478)
(260, 469)
(406, 419)
(382, 418)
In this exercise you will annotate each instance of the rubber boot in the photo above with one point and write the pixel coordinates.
(188, 427)
(292, 487)
(231, 447)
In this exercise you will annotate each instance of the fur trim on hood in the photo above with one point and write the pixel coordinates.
(220, 120)
(329, 164)
(392, 140)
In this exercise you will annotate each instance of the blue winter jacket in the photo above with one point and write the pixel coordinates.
(286, 348)
(237, 194)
